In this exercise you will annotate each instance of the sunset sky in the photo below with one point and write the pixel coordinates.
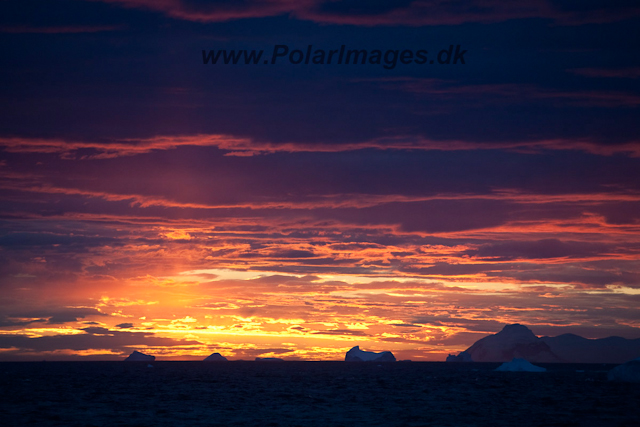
(151, 202)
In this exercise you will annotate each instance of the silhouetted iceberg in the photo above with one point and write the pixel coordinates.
(628, 372)
(518, 341)
(215, 357)
(519, 365)
(513, 341)
(462, 357)
(268, 359)
(136, 356)
(357, 355)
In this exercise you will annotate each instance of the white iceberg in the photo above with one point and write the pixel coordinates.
(136, 356)
(215, 357)
(357, 355)
(519, 365)
(627, 372)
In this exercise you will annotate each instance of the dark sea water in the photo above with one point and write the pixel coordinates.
(311, 394)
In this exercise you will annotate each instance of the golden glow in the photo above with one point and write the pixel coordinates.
(203, 290)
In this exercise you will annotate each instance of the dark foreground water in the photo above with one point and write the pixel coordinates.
(311, 394)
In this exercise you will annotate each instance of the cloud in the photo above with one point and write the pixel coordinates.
(581, 275)
(213, 11)
(540, 249)
(372, 13)
(599, 331)
(24, 29)
(6, 322)
(40, 239)
(233, 146)
(620, 73)
(342, 332)
(509, 93)
(469, 324)
(124, 325)
(292, 253)
(93, 338)
(58, 316)
(126, 147)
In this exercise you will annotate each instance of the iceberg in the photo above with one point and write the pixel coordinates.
(513, 341)
(357, 355)
(462, 357)
(519, 365)
(627, 372)
(136, 356)
(215, 357)
(518, 341)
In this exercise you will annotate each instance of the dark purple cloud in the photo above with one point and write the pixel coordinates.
(57, 315)
(369, 13)
(94, 338)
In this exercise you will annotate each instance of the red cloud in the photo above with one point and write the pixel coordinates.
(510, 93)
(213, 11)
(413, 13)
(23, 29)
(236, 146)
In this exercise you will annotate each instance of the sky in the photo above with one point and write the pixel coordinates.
(296, 208)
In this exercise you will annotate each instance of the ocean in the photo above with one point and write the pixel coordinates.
(308, 394)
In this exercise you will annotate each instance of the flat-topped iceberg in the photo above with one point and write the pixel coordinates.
(519, 365)
(215, 357)
(136, 356)
(627, 372)
(357, 355)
